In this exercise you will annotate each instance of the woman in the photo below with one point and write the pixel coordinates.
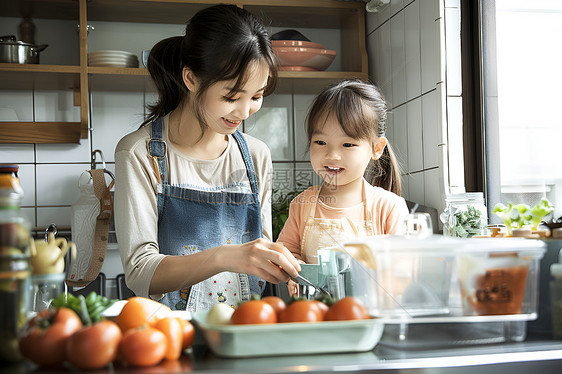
(193, 193)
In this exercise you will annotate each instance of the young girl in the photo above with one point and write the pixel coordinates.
(346, 127)
(192, 193)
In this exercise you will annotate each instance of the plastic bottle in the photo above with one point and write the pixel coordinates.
(556, 297)
(15, 266)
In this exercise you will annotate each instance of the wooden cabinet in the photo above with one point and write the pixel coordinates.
(347, 17)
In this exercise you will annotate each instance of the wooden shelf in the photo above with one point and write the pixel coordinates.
(39, 132)
(346, 16)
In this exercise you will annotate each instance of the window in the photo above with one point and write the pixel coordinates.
(522, 101)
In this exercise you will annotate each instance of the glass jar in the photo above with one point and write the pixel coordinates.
(465, 215)
(14, 263)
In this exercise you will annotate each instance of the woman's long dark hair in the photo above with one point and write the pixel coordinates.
(219, 44)
(360, 109)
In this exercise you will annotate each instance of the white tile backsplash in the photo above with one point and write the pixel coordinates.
(301, 107)
(20, 101)
(400, 124)
(412, 50)
(415, 135)
(396, 6)
(17, 153)
(416, 188)
(434, 195)
(60, 216)
(114, 114)
(431, 108)
(398, 56)
(430, 46)
(53, 106)
(57, 153)
(26, 175)
(57, 184)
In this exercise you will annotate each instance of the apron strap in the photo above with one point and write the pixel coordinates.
(158, 150)
(243, 145)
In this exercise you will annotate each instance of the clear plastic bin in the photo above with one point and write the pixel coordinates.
(416, 284)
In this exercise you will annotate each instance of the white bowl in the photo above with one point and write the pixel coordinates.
(304, 59)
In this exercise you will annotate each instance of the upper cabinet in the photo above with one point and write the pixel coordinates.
(67, 66)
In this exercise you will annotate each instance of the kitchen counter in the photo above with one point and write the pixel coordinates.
(537, 354)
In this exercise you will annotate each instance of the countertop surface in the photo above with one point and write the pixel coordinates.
(534, 355)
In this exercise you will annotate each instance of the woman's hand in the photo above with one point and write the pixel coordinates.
(262, 258)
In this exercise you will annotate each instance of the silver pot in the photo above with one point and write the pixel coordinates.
(18, 52)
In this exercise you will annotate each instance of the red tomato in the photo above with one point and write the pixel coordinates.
(139, 311)
(302, 311)
(347, 308)
(188, 332)
(276, 302)
(44, 338)
(173, 330)
(323, 307)
(253, 311)
(143, 346)
(94, 347)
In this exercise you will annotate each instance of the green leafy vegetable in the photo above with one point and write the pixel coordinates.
(517, 216)
(88, 308)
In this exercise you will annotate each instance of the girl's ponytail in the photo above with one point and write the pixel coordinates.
(385, 172)
(165, 68)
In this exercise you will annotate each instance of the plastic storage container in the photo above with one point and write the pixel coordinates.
(425, 290)
(465, 215)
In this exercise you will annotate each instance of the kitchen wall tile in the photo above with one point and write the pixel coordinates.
(57, 184)
(455, 141)
(405, 186)
(415, 135)
(380, 51)
(301, 107)
(283, 178)
(20, 101)
(398, 59)
(396, 6)
(431, 122)
(29, 215)
(416, 188)
(430, 44)
(400, 123)
(53, 106)
(26, 175)
(273, 124)
(60, 216)
(390, 128)
(305, 175)
(375, 19)
(412, 50)
(114, 115)
(453, 53)
(57, 153)
(17, 153)
(433, 189)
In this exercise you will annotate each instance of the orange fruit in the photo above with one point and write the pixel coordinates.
(139, 311)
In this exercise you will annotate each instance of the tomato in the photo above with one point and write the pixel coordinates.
(347, 308)
(143, 346)
(253, 311)
(276, 302)
(44, 338)
(323, 307)
(94, 347)
(302, 311)
(188, 332)
(173, 330)
(138, 311)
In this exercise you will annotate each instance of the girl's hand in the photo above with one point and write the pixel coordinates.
(261, 257)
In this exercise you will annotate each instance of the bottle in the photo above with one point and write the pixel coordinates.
(465, 215)
(15, 266)
(27, 31)
(556, 297)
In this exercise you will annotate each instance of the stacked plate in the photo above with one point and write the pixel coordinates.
(119, 59)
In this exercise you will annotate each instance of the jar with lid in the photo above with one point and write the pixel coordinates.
(556, 297)
(465, 215)
(15, 267)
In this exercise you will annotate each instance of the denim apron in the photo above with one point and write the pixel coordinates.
(192, 220)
